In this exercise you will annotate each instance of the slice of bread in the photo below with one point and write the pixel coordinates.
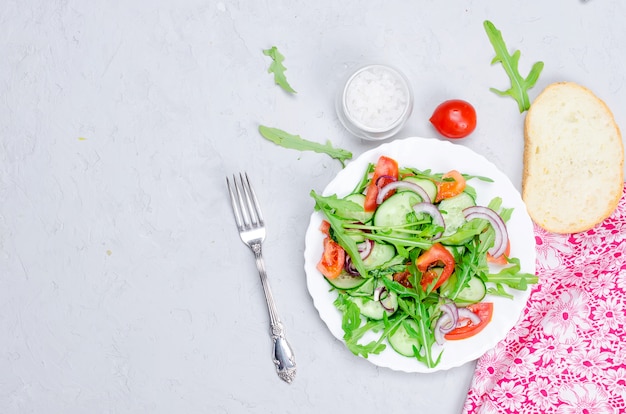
(573, 159)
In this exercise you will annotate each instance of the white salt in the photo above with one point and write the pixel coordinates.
(376, 98)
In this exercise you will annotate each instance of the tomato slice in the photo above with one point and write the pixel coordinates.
(484, 310)
(388, 169)
(333, 259)
(501, 260)
(403, 278)
(447, 188)
(436, 256)
(325, 228)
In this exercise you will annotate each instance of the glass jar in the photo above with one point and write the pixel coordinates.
(375, 102)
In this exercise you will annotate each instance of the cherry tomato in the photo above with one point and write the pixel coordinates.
(454, 118)
(484, 310)
(385, 167)
(325, 228)
(502, 260)
(447, 188)
(333, 259)
(436, 256)
(403, 278)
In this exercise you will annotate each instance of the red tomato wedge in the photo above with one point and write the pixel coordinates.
(484, 310)
(501, 260)
(436, 256)
(325, 228)
(447, 188)
(387, 170)
(333, 259)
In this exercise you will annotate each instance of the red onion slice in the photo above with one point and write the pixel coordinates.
(466, 313)
(382, 193)
(438, 332)
(365, 248)
(380, 294)
(349, 267)
(380, 179)
(451, 310)
(502, 236)
(433, 212)
(449, 320)
(446, 322)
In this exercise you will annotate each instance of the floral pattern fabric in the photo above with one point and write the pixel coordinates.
(567, 354)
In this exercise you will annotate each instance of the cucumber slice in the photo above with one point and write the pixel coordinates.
(374, 309)
(366, 289)
(474, 292)
(346, 281)
(381, 253)
(429, 186)
(393, 211)
(356, 235)
(359, 199)
(362, 216)
(401, 341)
(452, 211)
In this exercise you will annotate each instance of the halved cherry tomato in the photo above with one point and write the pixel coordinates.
(325, 228)
(484, 310)
(403, 278)
(454, 118)
(447, 188)
(385, 167)
(436, 256)
(333, 259)
(501, 260)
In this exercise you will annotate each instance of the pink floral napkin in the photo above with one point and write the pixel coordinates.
(568, 352)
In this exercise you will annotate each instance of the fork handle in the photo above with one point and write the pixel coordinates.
(283, 355)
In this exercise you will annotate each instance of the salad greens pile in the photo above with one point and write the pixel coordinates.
(383, 295)
(519, 85)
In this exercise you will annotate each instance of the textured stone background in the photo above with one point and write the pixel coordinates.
(123, 285)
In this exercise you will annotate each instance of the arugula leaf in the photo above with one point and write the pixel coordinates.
(351, 319)
(467, 265)
(416, 304)
(499, 291)
(365, 178)
(342, 208)
(519, 85)
(354, 331)
(286, 140)
(343, 238)
(466, 232)
(512, 277)
(278, 69)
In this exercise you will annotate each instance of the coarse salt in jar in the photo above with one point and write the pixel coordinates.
(375, 102)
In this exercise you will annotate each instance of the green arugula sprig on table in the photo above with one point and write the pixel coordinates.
(286, 140)
(519, 85)
(278, 69)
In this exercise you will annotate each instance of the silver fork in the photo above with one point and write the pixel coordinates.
(251, 228)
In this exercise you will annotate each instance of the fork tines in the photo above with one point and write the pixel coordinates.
(244, 201)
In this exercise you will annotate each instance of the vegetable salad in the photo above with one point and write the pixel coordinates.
(413, 259)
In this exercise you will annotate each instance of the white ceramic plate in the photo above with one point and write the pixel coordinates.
(438, 156)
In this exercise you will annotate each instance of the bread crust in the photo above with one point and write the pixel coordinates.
(547, 161)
